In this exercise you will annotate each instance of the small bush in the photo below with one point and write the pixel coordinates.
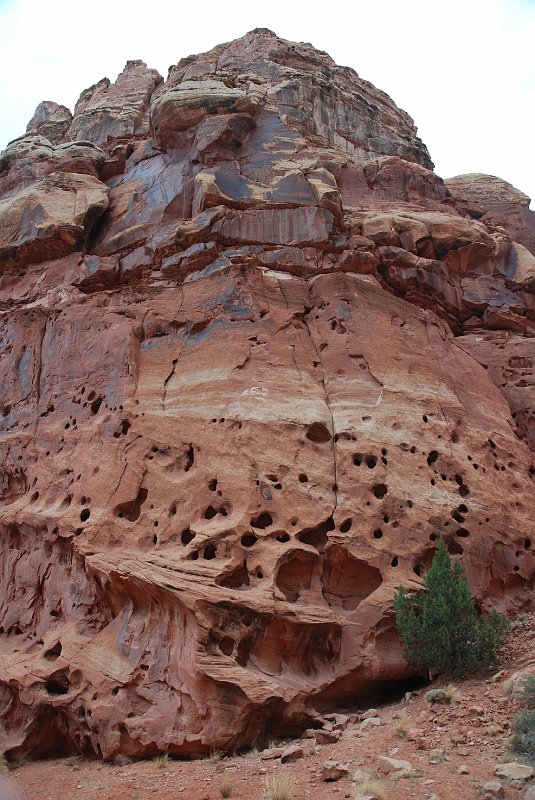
(225, 788)
(436, 696)
(453, 693)
(526, 693)
(277, 787)
(373, 787)
(439, 627)
(523, 738)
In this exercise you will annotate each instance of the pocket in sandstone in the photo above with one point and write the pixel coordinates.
(180, 107)
(50, 218)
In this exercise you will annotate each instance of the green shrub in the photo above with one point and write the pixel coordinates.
(523, 737)
(439, 627)
(526, 693)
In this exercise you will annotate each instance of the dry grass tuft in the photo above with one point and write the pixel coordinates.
(225, 788)
(402, 726)
(453, 693)
(215, 756)
(278, 787)
(373, 787)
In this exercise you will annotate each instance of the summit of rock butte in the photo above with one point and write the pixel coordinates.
(256, 358)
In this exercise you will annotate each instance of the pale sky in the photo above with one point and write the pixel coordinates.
(463, 69)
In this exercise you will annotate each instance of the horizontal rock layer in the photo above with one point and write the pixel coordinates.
(257, 359)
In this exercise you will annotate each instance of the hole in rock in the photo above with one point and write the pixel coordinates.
(210, 512)
(347, 580)
(394, 562)
(378, 534)
(346, 525)
(296, 649)
(357, 459)
(209, 552)
(303, 478)
(463, 532)
(34, 497)
(213, 485)
(380, 490)
(57, 683)
(455, 549)
(54, 652)
(295, 574)
(132, 509)
(226, 645)
(527, 544)
(258, 573)
(172, 510)
(457, 516)
(85, 514)
(283, 537)
(95, 405)
(371, 462)
(319, 433)
(236, 579)
(464, 491)
(190, 458)
(248, 539)
(317, 535)
(432, 457)
(263, 520)
(187, 536)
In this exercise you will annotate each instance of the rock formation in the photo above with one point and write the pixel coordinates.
(256, 358)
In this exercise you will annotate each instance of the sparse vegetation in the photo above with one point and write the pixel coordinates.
(526, 693)
(162, 760)
(373, 787)
(402, 726)
(215, 756)
(277, 787)
(225, 788)
(436, 696)
(453, 693)
(439, 627)
(523, 738)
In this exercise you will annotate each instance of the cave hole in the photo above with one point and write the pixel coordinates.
(318, 433)
(263, 520)
(346, 525)
(380, 490)
(432, 457)
(187, 536)
(209, 552)
(249, 539)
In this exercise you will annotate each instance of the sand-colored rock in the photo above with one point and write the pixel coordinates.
(241, 403)
(110, 110)
(50, 218)
(51, 121)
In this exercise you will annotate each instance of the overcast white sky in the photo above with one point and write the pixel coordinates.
(463, 69)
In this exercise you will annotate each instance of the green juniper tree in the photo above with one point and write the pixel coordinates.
(440, 628)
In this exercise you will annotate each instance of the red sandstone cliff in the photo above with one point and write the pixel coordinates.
(256, 357)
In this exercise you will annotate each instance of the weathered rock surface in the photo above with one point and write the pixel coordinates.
(50, 120)
(497, 202)
(110, 110)
(256, 360)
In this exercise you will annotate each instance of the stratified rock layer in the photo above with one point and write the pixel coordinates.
(257, 358)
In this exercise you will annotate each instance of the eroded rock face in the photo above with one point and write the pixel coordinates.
(255, 362)
(496, 201)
